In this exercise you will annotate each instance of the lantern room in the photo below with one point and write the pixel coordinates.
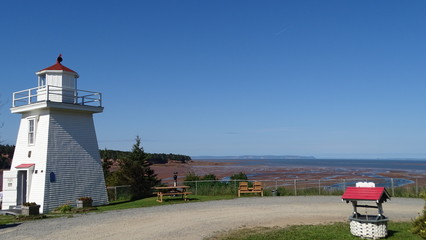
(61, 80)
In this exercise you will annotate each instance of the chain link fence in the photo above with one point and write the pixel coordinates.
(119, 193)
(396, 187)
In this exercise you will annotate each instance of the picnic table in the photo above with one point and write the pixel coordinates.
(172, 191)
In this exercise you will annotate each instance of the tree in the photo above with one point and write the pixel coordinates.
(135, 171)
(419, 224)
(106, 165)
(6, 155)
(192, 176)
(210, 177)
(239, 176)
(108, 158)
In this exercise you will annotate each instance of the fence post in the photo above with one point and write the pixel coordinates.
(295, 187)
(276, 185)
(196, 187)
(115, 193)
(319, 186)
(344, 184)
(393, 188)
(417, 187)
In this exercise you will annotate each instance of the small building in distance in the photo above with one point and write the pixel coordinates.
(56, 159)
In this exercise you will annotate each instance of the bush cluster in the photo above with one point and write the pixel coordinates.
(85, 199)
(419, 224)
(66, 208)
(211, 186)
(29, 204)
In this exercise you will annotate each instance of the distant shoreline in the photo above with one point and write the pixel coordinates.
(406, 164)
(244, 157)
(277, 157)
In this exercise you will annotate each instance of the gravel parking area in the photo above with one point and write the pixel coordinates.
(194, 221)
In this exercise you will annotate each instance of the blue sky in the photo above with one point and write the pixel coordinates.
(322, 78)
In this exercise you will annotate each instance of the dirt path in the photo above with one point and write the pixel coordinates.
(194, 221)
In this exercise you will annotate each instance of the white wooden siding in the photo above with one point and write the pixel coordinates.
(74, 158)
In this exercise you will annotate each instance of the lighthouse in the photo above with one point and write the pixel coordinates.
(56, 159)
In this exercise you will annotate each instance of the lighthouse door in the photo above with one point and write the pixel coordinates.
(21, 188)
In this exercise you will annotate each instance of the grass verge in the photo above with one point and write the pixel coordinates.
(151, 202)
(146, 202)
(340, 231)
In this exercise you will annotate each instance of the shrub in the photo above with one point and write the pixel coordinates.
(239, 176)
(419, 224)
(28, 204)
(209, 177)
(86, 199)
(191, 176)
(64, 208)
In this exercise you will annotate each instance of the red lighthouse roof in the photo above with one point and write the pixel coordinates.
(58, 66)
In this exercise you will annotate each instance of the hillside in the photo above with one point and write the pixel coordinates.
(6, 156)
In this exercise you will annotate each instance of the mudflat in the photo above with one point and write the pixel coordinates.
(197, 220)
(307, 177)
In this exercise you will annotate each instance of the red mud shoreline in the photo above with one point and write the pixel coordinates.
(261, 172)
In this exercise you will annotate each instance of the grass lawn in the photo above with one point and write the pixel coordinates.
(5, 219)
(336, 231)
(151, 202)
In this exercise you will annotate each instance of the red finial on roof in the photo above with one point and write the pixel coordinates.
(59, 59)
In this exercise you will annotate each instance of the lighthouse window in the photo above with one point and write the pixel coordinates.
(42, 81)
(31, 131)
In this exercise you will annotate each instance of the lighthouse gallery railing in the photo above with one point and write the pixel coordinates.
(49, 93)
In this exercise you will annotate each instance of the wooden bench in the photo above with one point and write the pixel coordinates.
(257, 188)
(244, 188)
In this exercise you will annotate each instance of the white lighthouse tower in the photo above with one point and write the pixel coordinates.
(56, 159)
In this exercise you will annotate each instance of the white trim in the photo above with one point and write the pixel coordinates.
(58, 71)
(56, 105)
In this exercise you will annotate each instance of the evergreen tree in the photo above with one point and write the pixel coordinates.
(6, 155)
(209, 177)
(136, 172)
(239, 176)
(419, 224)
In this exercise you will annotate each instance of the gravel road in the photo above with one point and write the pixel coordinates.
(194, 221)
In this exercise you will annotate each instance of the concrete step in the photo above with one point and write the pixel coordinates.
(13, 212)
